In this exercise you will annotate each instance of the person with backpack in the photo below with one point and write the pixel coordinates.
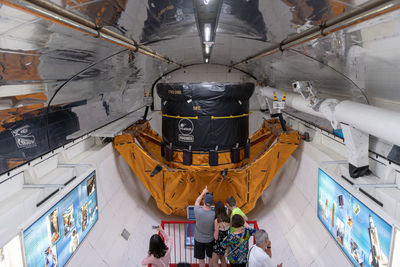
(237, 242)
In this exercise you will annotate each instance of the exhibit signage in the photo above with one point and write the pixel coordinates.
(363, 235)
(52, 239)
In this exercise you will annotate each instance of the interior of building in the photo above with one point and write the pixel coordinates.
(115, 114)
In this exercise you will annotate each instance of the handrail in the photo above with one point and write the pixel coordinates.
(180, 231)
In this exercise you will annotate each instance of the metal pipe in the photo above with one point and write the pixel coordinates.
(364, 12)
(57, 14)
(68, 14)
(382, 123)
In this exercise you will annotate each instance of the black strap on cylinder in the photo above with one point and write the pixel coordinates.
(213, 157)
(169, 153)
(235, 154)
(187, 156)
(247, 149)
(162, 149)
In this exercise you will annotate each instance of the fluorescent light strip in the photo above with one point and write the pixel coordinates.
(207, 32)
(207, 49)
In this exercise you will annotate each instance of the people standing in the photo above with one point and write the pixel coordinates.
(260, 254)
(159, 252)
(204, 231)
(237, 243)
(231, 204)
(221, 230)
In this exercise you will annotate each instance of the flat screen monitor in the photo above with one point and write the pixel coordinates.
(53, 238)
(364, 236)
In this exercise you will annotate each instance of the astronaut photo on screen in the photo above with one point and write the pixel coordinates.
(53, 226)
(68, 220)
(50, 255)
(74, 241)
(84, 216)
(90, 186)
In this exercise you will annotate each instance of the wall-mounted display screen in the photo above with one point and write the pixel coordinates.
(363, 236)
(52, 239)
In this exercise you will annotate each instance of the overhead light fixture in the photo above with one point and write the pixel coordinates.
(207, 32)
(207, 49)
(206, 60)
(206, 2)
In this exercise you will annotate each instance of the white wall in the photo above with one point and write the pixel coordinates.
(287, 210)
(124, 203)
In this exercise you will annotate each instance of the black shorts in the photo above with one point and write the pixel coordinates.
(200, 248)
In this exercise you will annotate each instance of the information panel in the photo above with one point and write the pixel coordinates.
(52, 239)
(363, 236)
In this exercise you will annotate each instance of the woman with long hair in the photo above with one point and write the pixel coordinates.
(221, 230)
(159, 250)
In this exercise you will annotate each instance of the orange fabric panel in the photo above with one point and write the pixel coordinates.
(142, 165)
(177, 185)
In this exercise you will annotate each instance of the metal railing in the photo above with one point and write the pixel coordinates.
(182, 236)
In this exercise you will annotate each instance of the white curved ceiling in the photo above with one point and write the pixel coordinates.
(78, 73)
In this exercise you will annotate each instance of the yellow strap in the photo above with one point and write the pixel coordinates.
(284, 97)
(180, 117)
(275, 98)
(229, 117)
(212, 117)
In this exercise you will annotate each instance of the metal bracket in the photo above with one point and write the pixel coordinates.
(41, 186)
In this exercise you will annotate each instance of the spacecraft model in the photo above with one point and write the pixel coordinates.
(376, 256)
(205, 142)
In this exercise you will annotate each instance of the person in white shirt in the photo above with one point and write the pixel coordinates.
(260, 254)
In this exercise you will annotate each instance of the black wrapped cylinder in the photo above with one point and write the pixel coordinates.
(205, 115)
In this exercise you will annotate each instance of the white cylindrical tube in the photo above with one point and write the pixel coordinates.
(292, 100)
(379, 122)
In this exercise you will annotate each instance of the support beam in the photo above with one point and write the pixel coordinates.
(357, 144)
